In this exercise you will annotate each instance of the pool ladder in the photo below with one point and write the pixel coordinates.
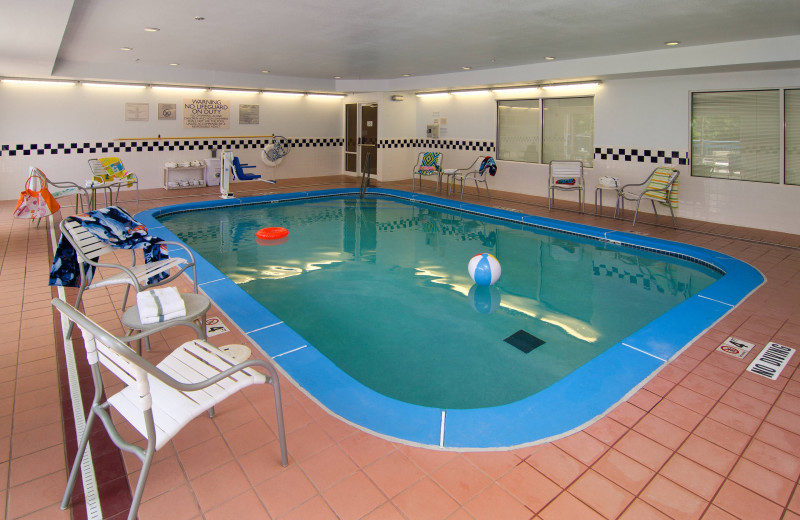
(365, 173)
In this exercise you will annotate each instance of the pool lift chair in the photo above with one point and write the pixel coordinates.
(428, 163)
(89, 250)
(661, 186)
(474, 172)
(159, 400)
(240, 174)
(567, 176)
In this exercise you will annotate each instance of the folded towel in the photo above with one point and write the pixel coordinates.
(158, 305)
(565, 181)
(608, 182)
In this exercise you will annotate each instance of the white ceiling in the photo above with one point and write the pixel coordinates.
(306, 43)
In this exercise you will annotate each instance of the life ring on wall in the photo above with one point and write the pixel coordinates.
(272, 233)
(268, 156)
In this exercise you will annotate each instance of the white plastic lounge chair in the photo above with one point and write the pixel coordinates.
(159, 400)
(568, 176)
(428, 163)
(106, 179)
(661, 186)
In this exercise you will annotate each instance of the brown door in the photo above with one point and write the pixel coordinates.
(369, 138)
(351, 137)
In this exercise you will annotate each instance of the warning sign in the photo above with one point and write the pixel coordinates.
(736, 347)
(215, 326)
(771, 361)
(206, 113)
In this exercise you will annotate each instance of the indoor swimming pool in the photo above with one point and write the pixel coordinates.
(369, 308)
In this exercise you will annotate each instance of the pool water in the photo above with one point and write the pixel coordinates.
(381, 288)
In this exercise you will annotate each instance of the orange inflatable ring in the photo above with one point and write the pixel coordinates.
(272, 233)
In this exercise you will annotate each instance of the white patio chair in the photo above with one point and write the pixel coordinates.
(474, 172)
(568, 176)
(159, 400)
(428, 163)
(107, 181)
(661, 186)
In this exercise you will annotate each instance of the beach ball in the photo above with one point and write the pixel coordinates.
(484, 269)
(485, 299)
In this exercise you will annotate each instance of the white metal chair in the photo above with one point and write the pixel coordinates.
(568, 176)
(159, 400)
(474, 172)
(428, 163)
(62, 188)
(89, 249)
(105, 180)
(661, 186)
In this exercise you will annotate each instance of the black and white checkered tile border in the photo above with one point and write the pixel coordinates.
(641, 155)
(446, 144)
(157, 145)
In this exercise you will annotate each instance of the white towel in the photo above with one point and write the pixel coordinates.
(157, 305)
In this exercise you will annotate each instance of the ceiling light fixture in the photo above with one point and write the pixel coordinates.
(581, 84)
(469, 92)
(111, 85)
(324, 95)
(516, 90)
(466, 68)
(406, 75)
(279, 93)
(126, 48)
(265, 71)
(337, 77)
(672, 44)
(39, 82)
(174, 64)
(199, 18)
(432, 94)
(549, 58)
(233, 91)
(152, 29)
(178, 87)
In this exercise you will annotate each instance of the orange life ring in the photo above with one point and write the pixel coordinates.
(272, 233)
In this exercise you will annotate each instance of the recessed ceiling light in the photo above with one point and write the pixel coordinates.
(672, 44)
(466, 68)
(549, 58)
(199, 18)
(126, 48)
(406, 75)
(152, 29)
(337, 77)
(265, 71)
(174, 64)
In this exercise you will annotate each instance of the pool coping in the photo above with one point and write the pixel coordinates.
(564, 407)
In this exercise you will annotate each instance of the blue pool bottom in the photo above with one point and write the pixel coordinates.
(565, 406)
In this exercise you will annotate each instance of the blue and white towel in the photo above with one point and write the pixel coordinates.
(488, 162)
(115, 227)
(158, 305)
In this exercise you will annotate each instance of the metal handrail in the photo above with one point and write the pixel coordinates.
(365, 173)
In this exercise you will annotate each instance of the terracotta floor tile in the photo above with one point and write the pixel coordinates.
(778, 437)
(204, 457)
(36, 494)
(530, 487)
(364, 448)
(644, 399)
(219, 485)
(786, 419)
(722, 435)
(163, 476)
(756, 389)
(285, 491)
(703, 386)
(639, 510)
(428, 460)
(354, 497)
(388, 511)
(626, 414)
(583, 447)
(37, 439)
(556, 465)
(198, 431)
(690, 475)
(567, 506)
(493, 463)
(328, 467)
(177, 504)
(607, 430)
(772, 458)
(425, 501)
(660, 385)
(308, 441)
(264, 462)
(36, 465)
(676, 414)
(762, 481)
(601, 494)
(248, 437)
(745, 403)
(743, 503)
(461, 479)
(316, 509)
(246, 506)
(734, 418)
(675, 501)
(691, 399)
(495, 502)
(661, 431)
(643, 450)
(715, 513)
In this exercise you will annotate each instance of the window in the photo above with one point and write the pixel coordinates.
(567, 125)
(792, 137)
(736, 135)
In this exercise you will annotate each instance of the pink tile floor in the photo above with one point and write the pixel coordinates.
(702, 439)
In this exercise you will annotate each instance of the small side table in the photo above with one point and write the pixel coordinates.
(196, 305)
(599, 192)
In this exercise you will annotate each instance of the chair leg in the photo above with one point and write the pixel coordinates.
(637, 212)
(550, 198)
(76, 465)
(487, 189)
(137, 494)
